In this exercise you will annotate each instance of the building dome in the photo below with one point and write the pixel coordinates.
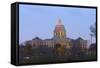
(59, 31)
(59, 26)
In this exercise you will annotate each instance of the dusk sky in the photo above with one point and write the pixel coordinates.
(40, 21)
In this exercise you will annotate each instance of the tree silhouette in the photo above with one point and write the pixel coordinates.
(93, 31)
(28, 50)
(59, 49)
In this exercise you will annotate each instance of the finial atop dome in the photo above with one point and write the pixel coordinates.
(59, 22)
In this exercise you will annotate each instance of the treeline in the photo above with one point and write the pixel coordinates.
(42, 53)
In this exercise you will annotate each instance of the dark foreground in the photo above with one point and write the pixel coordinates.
(51, 55)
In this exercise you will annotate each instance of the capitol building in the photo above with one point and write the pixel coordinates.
(59, 37)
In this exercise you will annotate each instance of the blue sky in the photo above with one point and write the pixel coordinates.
(40, 21)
